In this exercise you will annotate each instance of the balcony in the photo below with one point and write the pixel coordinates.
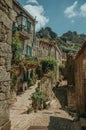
(23, 26)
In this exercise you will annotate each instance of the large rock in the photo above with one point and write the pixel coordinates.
(13, 15)
(4, 112)
(9, 3)
(5, 48)
(2, 61)
(4, 76)
(6, 20)
(4, 90)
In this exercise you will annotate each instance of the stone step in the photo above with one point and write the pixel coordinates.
(83, 122)
(52, 128)
(83, 128)
(38, 128)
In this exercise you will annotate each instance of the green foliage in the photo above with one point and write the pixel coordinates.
(30, 82)
(48, 64)
(14, 78)
(16, 45)
(71, 41)
(74, 37)
(32, 75)
(23, 66)
(62, 65)
(39, 72)
(32, 79)
(38, 95)
(67, 49)
(68, 42)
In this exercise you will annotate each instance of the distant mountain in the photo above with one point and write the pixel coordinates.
(73, 37)
(46, 33)
(68, 42)
(72, 41)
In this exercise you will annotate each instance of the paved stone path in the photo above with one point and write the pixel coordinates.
(55, 118)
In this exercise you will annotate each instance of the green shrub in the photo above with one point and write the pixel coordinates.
(14, 79)
(39, 72)
(38, 99)
(48, 64)
(30, 82)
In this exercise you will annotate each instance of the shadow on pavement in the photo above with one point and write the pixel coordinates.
(61, 95)
(57, 123)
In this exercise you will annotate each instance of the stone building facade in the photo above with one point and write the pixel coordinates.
(46, 48)
(24, 23)
(77, 81)
(80, 80)
(5, 61)
(70, 71)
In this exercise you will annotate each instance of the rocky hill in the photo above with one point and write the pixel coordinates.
(68, 42)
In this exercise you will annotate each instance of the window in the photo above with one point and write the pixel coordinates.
(24, 20)
(28, 51)
(28, 25)
(22, 47)
(25, 76)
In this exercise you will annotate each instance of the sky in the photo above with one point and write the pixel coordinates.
(60, 15)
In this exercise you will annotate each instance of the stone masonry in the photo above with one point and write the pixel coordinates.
(80, 80)
(71, 82)
(5, 61)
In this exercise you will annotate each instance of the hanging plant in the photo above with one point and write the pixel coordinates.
(14, 78)
(16, 45)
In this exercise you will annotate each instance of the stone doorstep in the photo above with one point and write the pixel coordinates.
(83, 128)
(83, 122)
(38, 128)
(6, 126)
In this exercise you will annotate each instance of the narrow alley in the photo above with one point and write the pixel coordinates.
(54, 118)
(42, 65)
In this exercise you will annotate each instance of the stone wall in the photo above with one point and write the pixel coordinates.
(5, 61)
(26, 36)
(47, 84)
(80, 80)
(71, 96)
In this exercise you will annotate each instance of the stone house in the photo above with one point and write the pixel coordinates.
(24, 23)
(70, 74)
(5, 61)
(64, 57)
(77, 81)
(47, 48)
(80, 80)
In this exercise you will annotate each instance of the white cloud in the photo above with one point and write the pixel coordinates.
(72, 21)
(83, 10)
(38, 12)
(73, 11)
(70, 11)
(32, 1)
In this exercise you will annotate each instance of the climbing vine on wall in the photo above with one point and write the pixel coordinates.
(16, 45)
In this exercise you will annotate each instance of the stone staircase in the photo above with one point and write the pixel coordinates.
(74, 126)
(38, 128)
